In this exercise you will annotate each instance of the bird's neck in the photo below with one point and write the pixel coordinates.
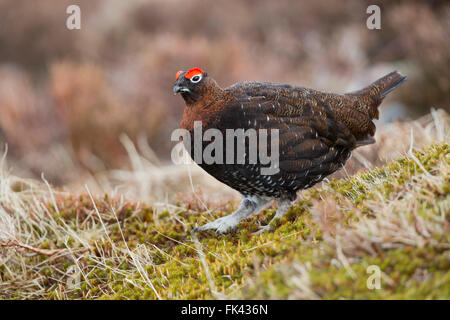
(205, 108)
(209, 92)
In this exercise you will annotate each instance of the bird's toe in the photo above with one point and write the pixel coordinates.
(221, 225)
(263, 229)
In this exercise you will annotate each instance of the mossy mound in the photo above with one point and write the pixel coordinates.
(395, 218)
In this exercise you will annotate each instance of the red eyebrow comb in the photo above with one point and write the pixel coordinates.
(178, 74)
(193, 72)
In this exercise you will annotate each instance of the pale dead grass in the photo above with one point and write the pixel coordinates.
(150, 181)
(413, 216)
(26, 225)
(393, 141)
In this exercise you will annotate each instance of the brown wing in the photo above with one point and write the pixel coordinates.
(313, 142)
(349, 111)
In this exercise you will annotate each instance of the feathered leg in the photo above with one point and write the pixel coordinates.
(248, 206)
(283, 207)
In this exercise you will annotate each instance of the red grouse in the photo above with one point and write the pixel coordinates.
(316, 132)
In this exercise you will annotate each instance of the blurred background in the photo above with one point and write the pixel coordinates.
(96, 105)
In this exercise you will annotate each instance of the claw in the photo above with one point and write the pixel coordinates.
(196, 229)
(263, 229)
(225, 224)
(221, 225)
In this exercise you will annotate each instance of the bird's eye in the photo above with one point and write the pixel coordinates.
(196, 78)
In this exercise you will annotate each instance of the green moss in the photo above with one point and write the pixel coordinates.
(128, 271)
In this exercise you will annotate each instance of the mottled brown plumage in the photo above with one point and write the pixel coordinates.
(317, 130)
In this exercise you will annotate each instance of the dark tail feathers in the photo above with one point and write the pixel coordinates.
(388, 83)
(370, 97)
(367, 100)
(381, 87)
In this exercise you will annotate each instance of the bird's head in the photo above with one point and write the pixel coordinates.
(193, 85)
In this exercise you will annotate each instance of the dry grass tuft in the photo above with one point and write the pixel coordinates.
(393, 141)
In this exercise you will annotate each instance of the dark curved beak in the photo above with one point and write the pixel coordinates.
(177, 89)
